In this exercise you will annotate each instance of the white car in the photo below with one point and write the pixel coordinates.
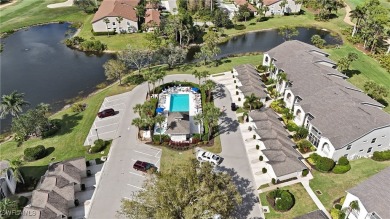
(203, 156)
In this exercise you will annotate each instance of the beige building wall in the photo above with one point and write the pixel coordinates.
(126, 26)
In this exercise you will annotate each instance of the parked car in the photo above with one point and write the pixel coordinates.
(205, 156)
(234, 107)
(144, 166)
(106, 113)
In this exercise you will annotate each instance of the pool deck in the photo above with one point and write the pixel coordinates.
(194, 102)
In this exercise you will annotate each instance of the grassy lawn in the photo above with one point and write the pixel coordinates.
(333, 186)
(115, 42)
(68, 142)
(303, 203)
(29, 12)
(226, 64)
(364, 69)
(171, 158)
(305, 20)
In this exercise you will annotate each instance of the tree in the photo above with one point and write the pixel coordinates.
(115, 69)
(173, 55)
(208, 86)
(13, 104)
(107, 21)
(200, 75)
(186, 191)
(210, 47)
(138, 122)
(14, 167)
(283, 4)
(211, 114)
(9, 209)
(221, 19)
(119, 20)
(318, 41)
(154, 39)
(199, 118)
(140, 11)
(251, 100)
(134, 57)
(376, 91)
(138, 109)
(159, 119)
(344, 63)
(242, 9)
(358, 14)
(353, 206)
(287, 32)
(246, 15)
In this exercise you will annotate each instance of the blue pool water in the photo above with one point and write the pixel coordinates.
(180, 103)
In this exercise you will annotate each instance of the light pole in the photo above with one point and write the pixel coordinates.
(97, 134)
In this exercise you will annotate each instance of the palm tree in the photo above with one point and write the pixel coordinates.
(12, 104)
(246, 15)
(354, 205)
(153, 78)
(212, 114)
(200, 118)
(260, 11)
(138, 109)
(251, 100)
(208, 86)
(160, 75)
(358, 14)
(107, 21)
(138, 122)
(159, 119)
(204, 74)
(119, 20)
(14, 167)
(198, 75)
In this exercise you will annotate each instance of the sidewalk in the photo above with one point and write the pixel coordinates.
(315, 198)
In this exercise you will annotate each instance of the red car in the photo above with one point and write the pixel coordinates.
(106, 113)
(144, 166)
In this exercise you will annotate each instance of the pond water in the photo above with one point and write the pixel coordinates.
(37, 63)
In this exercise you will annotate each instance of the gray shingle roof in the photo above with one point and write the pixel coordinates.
(318, 214)
(374, 193)
(279, 151)
(341, 112)
(178, 126)
(60, 185)
(3, 165)
(250, 80)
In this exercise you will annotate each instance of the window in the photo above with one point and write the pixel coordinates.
(361, 150)
(373, 140)
(345, 155)
(369, 150)
(349, 147)
(266, 59)
(113, 23)
(379, 145)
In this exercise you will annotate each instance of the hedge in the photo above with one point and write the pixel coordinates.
(301, 133)
(34, 153)
(98, 146)
(239, 27)
(340, 169)
(291, 126)
(381, 155)
(324, 164)
(304, 146)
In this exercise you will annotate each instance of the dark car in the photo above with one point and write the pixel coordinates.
(234, 107)
(106, 113)
(144, 166)
(162, 8)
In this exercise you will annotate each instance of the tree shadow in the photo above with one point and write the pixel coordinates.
(227, 125)
(219, 92)
(31, 176)
(351, 73)
(49, 151)
(68, 122)
(248, 194)
(383, 102)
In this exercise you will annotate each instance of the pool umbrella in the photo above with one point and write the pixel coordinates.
(195, 89)
(159, 110)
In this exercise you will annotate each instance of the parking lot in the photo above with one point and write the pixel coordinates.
(136, 178)
(106, 128)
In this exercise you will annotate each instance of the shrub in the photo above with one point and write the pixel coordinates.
(291, 126)
(338, 206)
(239, 99)
(254, 136)
(264, 170)
(93, 46)
(340, 169)
(337, 214)
(284, 199)
(257, 147)
(273, 181)
(239, 27)
(34, 153)
(98, 146)
(235, 81)
(261, 158)
(300, 133)
(166, 138)
(343, 161)
(305, 172)
(22, 201)
(78, 107)
(134, 79)
(381, 155)
(324, 164)
(103, 33)
(269, 81)
(304, 146)
(314, 157)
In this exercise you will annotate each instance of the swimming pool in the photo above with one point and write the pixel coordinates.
(180, 103)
